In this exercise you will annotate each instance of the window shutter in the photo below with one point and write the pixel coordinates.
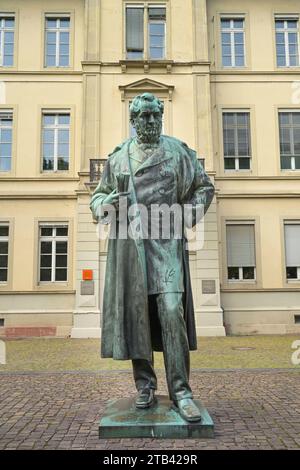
(157, 14)
(135, 29)
(240, 245)
(6, 116)
(292, 244)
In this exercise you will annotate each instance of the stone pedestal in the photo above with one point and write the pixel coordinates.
(121, 419)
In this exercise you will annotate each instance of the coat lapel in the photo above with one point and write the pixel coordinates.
(158, 156)
(139, 242)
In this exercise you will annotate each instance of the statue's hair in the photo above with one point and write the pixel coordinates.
(136, 104)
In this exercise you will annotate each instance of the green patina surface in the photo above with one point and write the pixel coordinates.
(122, 419)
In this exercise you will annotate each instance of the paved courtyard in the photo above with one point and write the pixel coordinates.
(252, 409)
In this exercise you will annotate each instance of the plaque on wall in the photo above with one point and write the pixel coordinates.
(208, 286)
(87, 288)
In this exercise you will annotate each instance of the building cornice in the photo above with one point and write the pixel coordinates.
(256, 195)
(257, 178)
(254, 72)
(157, 63)
(145, 66)
(262, 290)
(37, 178)
(35, 292)
(40, 195)
(60, 73)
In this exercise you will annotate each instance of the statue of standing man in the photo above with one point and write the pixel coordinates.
(148, 304)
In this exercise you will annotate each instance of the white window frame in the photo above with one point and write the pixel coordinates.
(156, 22)
(233, 30)
(241, 278)
(292, 143)
(3, 30)
(286, 32)
(56, 127)
(8, 112)
(295, 279)
(5, 239)
(237, 157)
(58, 29)
(145, 7)
(52, 239)
(240, 268)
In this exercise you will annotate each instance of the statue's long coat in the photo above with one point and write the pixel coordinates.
(130, 326)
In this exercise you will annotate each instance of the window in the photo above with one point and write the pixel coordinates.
(53, 243)
(135, 32)
(236, 140)
(157, 33)
(57, 42)
(287, 42)
(56, 137)
(233, 42)
(289, 134)
(292, 250)
(6, 120)
(240, 252)
(145, 32)
(4, 233)
(7, 25)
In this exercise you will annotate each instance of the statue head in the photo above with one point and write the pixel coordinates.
(146, 117)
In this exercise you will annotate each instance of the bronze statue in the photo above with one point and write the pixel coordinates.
(148, 303)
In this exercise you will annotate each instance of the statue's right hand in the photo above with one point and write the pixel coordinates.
(112, 199)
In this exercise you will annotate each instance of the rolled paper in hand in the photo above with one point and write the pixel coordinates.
(126, 182)
(123, 182)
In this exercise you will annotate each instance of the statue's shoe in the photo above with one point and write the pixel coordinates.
(188, 409)
(145, 398)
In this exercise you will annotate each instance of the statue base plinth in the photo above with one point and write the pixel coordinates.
(121, 419)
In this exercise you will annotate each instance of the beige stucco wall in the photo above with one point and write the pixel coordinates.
(265, 194)
(29, 15)
(260, 29)
(97, 88)
(24, 302)
(28, 100)
(112, 37)
(183, 104)
(28, 196)
(186, 93)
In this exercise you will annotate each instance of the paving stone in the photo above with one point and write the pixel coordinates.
(251, 409)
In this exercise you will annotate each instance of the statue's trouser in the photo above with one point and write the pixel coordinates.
(175, 348)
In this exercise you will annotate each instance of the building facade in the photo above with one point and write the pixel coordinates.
(229, 75)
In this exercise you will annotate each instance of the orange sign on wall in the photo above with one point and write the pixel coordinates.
(87, 274)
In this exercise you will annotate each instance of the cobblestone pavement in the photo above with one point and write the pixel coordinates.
(252, 409)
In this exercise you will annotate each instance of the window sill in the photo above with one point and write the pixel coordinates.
(237, 172)
(11, 291)
(287, 67)
(58, 67)
(232, 68)
(240, 286)
(53, 286)
(54, 173)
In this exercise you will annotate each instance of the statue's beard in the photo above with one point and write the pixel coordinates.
(147, 134)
